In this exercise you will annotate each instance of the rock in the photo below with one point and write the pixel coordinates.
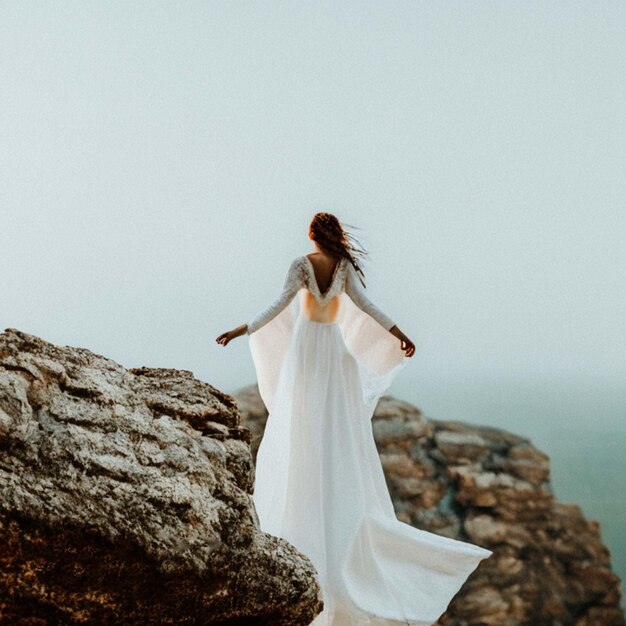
(461, 447)
(125, 499)
(490, 487)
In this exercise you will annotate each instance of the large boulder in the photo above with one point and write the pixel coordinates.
(125, 499)
(492, 488)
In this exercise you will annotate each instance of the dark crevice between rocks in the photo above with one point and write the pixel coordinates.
(20, 369)
(81, 392)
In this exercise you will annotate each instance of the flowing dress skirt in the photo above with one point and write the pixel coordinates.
(320, 485)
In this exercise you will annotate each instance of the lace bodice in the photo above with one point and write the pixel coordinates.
(301, 275)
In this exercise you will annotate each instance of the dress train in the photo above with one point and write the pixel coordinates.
(320, 485)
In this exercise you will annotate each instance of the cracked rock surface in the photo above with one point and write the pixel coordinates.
(490, 487)
(125, 499)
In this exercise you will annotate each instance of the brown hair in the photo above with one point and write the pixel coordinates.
(330, 234)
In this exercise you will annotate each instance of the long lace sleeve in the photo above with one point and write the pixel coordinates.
(291, 286)
(355, 290)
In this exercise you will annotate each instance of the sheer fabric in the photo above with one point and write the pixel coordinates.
(319, 482)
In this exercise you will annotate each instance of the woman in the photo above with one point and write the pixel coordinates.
(323, 360)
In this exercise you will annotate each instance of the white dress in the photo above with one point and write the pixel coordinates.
(319, 482)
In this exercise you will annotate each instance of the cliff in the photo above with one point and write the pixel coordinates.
(490, 487)
(125, 499)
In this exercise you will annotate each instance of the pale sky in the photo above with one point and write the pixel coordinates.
(161, 162)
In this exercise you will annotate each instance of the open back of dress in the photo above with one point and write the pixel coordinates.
(367, 337)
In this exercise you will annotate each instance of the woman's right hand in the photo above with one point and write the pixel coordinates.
(224, 338)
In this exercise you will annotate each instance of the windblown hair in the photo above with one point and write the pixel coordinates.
(330, 234)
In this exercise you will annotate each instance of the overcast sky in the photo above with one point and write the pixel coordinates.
(161, 162)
